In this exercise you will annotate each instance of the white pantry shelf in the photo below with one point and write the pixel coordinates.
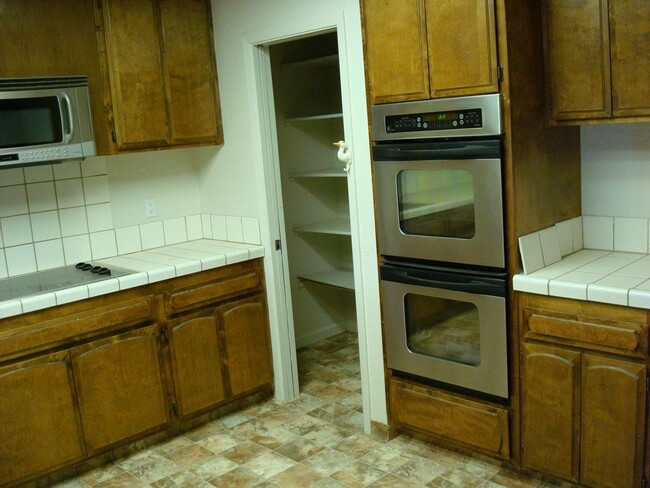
(336, 172)
(313, 118)
(338, 278)
(334, 226)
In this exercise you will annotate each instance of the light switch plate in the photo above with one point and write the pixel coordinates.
(149, 207)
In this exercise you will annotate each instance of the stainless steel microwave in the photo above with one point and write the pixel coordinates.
(44, 120)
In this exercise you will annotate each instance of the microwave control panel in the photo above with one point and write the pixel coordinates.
(434, 121)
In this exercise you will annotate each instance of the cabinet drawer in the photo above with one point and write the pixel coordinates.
(221, 287)
(464, 422)
(589, 333)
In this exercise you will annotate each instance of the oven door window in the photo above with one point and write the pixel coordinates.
(436, 203)
(443, 328)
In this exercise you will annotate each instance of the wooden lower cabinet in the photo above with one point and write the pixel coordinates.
(583, 391)
(87, 377)
(120, 386)
(245, 329)
(462, 422)
(40, 425)
(196, 363)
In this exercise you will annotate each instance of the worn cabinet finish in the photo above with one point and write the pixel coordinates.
(160, 73)
(577, 48)
(613, 414)
(579, 401)
(629, 31)
(462, 47)
(420, 49)
(597, 58)
(41, 430)
(196, 363)
(396, 50)
(550, 410)
(245, 330)
(120, 386)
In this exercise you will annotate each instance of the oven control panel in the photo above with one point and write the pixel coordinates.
(432, 121)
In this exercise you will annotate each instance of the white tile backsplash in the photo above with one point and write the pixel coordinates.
(73, 221)
(67, 170)
(219, 228)
(96, 190)
(530, 249)
(206, 222)
(194, 227)
(175, 231)
(94, 167)
(550, 246)
(251, 230)
(41, 196)
(69, 193)
(128, 239)
(45, 225)
(13, 201)
(16, 230)
(34, 174)
(49, 254)
(3, 264)
(234, 229)
(77, 248)
(598, 232)
(630, 235)
(578, 233)
(13, 176)
(20, 260)
(103, 244)
(100, 217)
(564, 232)
(152, 235)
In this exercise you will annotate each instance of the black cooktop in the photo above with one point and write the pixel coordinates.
(56, 279)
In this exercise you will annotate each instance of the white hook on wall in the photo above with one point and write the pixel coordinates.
(344, 154)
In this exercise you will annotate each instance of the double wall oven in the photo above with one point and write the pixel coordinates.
(439, 196)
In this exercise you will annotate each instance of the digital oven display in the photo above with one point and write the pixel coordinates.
(428, 121)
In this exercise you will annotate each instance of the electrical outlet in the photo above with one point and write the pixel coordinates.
(149, 207)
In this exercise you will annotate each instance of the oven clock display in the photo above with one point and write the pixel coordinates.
(453, 119)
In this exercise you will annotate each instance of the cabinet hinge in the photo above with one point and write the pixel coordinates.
(500, 73)
(99, 4)
(165, 334)
(175, 408)
(278, 245)
(114, 136)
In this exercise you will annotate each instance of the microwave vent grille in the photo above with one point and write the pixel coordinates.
(13, 84)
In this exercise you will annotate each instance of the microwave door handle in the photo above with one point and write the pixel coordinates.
(68, 114)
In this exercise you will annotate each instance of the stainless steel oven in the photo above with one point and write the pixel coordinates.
(439, 208)
(438, 173)
(446, 325)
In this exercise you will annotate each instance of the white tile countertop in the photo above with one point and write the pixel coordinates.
(620, 278)
(147, 267)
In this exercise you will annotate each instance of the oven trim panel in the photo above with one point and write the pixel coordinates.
(490, 377)
(486, 248)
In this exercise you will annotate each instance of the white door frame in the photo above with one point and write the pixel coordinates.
(258, 70)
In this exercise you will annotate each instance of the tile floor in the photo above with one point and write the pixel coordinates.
(314, 441)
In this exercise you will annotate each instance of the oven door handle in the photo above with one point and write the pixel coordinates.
(469, 284)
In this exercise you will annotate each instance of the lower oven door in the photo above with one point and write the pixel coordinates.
(446, 326)
(440, 210)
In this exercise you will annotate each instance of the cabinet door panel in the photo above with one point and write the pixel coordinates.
(550, 409)
(197, 366)
(189, 71)
(120, 387)
(39, 420)
(629, 24)
(396, 50)
(613, 411)
(578, 66)
(246, 336)
(462, 47)
(131, 31)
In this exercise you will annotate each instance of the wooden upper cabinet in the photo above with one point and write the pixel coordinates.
(420, 49)
(196, 362)
(462, 47)
(577, 48)
(613, 413)
(135, 72)
(396, 50)
(189, 72)
(39, 420)
(597, 59)
(120, 386)
(629, 31)
(160, 73)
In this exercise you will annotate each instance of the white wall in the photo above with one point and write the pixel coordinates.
(616, 170)
(234, 181)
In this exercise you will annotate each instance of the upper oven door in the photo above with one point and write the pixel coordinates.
(447, 210)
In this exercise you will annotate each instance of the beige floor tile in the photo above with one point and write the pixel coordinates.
(331, 393)
(299, 449)
(101, 474)
(297, 476)
(328, 435)
(237, 478)
(212, 467)
(358, 474)
(189, 455)
(182, 479)
(220, 441)
(511, 479)
(275, 438)
(243, 452)
(392, 481)
(455, 478)
(477, 468)
(269, 464)
(124, 480)
(385, 458)
(327, 461)
(357, 445)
